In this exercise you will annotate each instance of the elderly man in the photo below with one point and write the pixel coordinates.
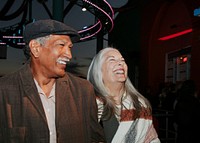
(41, 103)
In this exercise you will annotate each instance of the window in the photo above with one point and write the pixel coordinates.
(178, 65)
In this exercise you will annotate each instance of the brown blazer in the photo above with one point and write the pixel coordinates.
(22, 117)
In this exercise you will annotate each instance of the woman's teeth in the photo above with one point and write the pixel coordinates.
(119, 71)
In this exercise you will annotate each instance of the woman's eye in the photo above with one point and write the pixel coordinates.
(111, 59)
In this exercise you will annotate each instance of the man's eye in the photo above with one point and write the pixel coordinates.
(62, 44)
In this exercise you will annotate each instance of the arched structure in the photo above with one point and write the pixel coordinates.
(12, 35)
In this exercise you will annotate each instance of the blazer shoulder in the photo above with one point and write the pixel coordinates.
(75, 78)
(14, 77)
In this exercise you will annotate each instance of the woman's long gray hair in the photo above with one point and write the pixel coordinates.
(95, 77)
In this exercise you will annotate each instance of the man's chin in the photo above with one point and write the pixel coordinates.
(61, 74)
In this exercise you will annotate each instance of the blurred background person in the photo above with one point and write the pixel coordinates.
(125, 114)
(187, 113)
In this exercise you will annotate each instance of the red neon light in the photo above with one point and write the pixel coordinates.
(175, 35)
(185, 59)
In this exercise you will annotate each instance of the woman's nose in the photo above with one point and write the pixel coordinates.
(120, 62)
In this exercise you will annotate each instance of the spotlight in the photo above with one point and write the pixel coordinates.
(84, 9)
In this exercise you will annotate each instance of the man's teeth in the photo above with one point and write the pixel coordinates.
(62, 61)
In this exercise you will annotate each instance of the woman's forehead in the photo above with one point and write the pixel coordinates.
(112, 53)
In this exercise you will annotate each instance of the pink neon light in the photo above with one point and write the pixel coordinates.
(110, 8)
(175, 35)
(99, 22)
(93, 33)
(102, 11)
(10, 37)
(89, 27)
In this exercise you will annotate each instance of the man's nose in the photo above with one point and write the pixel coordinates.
(68, 53)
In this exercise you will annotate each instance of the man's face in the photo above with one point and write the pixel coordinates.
(53, 56)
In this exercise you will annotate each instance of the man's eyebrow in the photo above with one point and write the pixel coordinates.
(65, 42)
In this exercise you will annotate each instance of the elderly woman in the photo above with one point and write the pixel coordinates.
(123, 112)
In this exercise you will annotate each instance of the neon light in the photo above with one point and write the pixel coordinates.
(185, 59)
(2, 43)
(81, 31)
(175, 35)
(93, 33)
(102, 11)
(99, 23)
(110, 8)
(12, 37)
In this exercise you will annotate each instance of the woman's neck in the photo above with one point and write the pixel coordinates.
(117, 91)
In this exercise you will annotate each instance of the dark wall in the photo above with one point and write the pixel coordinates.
(138, 28)
(126, 36)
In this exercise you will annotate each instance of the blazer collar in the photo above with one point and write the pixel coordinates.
(30, 89)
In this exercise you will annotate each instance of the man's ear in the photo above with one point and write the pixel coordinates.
(34, 48)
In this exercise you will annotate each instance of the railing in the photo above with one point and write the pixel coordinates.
(165, 125)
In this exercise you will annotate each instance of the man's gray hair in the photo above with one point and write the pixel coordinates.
(40, 40)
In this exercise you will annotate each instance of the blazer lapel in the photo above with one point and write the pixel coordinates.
(62, 97)
(66, 108)
(31, 91)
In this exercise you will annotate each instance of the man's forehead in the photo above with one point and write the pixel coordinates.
(60, 38)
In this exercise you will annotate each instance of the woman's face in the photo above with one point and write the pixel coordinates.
(114, 68)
